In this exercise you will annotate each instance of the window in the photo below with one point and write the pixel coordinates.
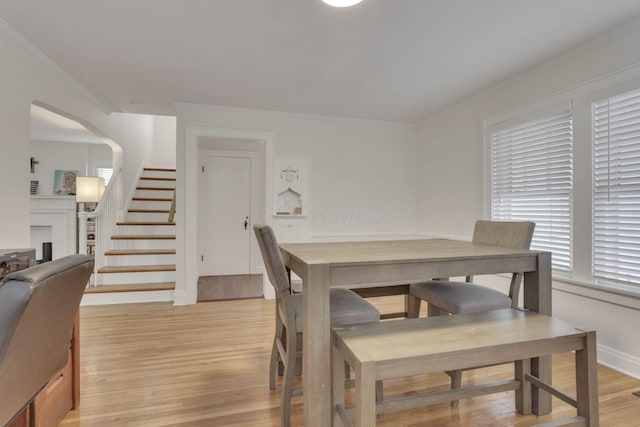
(105, 173)
(616, 188)
(532, 180)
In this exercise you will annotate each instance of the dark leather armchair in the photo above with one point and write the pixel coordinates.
(38, 307)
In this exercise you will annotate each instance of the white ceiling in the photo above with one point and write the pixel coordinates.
(395, 60)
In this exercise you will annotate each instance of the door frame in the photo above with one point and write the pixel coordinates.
(186, 291)
(254, 183)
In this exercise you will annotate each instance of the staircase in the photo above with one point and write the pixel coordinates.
(143, 250)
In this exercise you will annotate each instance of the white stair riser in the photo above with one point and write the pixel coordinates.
(128, 260)
(130, 278)
(144, 244)
(163, 194)
(147, 216)
(158, 174)
(156, 183)
(129, 230)
(146, 204)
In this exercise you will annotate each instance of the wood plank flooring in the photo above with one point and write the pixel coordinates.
(206, 365)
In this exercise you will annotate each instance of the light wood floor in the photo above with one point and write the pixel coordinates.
(206, 365)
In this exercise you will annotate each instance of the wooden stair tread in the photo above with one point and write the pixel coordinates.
(149, 211)
(140, 252)
(143, 237)
(155, 178)
(131, 287)
(155, 188)
(145, 223)
(137, 268)
(159, 169)
(151, 199)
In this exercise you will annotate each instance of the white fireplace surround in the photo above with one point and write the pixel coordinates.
(58, 213)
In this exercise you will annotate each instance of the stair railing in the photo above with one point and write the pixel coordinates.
(172, 209)
(105, 218)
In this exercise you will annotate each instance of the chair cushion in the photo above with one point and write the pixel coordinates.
(460, 297)
(347, 308)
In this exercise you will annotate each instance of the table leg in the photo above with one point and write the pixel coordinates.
(316, 347)
(537, 297)
(587, 380)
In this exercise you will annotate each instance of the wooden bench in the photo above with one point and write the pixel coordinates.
(401, 348)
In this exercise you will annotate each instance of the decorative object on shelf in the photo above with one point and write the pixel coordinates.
(33, 190)
(64, 182)
(290, 195)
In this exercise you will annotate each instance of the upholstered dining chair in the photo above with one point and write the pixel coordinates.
(38, 307)
(347, 308)
(445, 297)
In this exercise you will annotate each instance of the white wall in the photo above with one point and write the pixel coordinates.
(163, 154)
(361, 173)
(55, 155)
(451, 174)
(27, 76)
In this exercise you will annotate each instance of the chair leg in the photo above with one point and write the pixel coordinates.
(275, 365)
(287, 381)
(456, 383)
(413, 306)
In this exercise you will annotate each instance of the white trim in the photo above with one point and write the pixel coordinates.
(187, 202)
(618, 361)
(610, 295)
(108, 298)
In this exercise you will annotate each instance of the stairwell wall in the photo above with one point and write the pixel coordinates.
(28, 76)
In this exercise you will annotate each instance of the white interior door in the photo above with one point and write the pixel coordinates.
(224, 225)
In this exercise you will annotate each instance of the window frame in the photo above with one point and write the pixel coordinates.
(514, 118)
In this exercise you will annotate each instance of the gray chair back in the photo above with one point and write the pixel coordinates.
(512, 234)
(272, 257)
(38, 308)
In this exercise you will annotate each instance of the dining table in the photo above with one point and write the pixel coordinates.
(323, 265)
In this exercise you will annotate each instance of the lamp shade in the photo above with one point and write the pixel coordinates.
(89, 189)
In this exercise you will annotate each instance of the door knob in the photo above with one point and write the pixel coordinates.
(246, 222)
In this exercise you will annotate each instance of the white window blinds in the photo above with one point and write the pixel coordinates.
(532, 180)
(105, 173)
(616, 187)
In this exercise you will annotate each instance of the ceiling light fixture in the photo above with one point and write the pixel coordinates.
(342, 3)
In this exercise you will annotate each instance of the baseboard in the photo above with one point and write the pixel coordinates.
(618, 361)
(127, 297)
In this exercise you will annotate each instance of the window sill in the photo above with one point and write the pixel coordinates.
(622, 295)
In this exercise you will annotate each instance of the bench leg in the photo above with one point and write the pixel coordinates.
(339, 370)
(365, 395)
(456, 383)
(587, 380)
(523, 394)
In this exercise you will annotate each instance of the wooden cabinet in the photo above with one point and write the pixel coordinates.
(60, 395)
